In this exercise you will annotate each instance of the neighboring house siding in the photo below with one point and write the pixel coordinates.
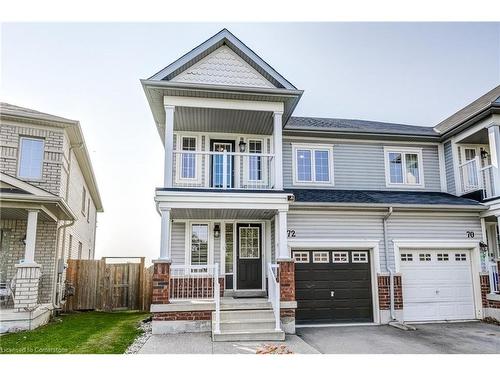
(45, 252)
(341, 225)
(362, 166)
(10, 134)
(83, 230)
(450, 172)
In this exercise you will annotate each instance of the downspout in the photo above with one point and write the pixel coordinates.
(387, 265)
(60, 254)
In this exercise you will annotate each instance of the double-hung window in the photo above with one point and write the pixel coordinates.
(255, 162)
(31, 158)
(404, 167)
(188, 160)
(313, 164)
(199, 244)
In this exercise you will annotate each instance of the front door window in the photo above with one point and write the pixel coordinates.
(249, 243)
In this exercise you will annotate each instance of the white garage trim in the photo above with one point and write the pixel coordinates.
(471, 246)
(338, 244)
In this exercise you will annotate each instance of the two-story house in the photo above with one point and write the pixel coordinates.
(48, 206)
(269, 220)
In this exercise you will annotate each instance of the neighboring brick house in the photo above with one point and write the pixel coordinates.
(49, 204)
(320, 220)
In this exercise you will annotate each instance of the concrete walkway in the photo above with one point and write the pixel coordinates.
(442, 338)
(201, 343)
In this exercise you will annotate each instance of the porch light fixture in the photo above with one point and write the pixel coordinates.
(242, 145)
(484, 154)
(216, 231)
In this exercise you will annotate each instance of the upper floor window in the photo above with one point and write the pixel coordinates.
(188, 161)
(313, 164)
(403, 167)
(31, 158)
(255, 162)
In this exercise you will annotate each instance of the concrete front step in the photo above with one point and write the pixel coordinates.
(247, 315)
(246, 325)
(245, 304)
(250, 335)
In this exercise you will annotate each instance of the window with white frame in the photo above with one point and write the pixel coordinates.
(403, 167)
(31, 158)
(321, 257)
(313, 164)
(188, 160)
(255, 162)
(406, 257)
(360, 257)
(199, 244)
(340, 257)
(301, 256)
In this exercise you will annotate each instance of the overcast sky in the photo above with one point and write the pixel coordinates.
(415, 73)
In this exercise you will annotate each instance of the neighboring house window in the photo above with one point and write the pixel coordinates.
(70, 246)
(31, 158)
(403, 167)
(313, 164)
(255, 162)
(188, 161)
(88, 210)
(199, 244)
(84, 199)
(80, 249)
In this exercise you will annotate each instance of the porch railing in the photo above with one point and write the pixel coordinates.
(196, 283)
(475, 177)
(493, 272)
(223, 170)
(273, 290)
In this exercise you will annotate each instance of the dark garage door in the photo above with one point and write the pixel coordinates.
(333, 286)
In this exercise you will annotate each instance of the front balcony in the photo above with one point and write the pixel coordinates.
(476, 175)
(222, 170)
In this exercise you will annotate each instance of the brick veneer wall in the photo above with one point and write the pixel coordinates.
(384, 293)
(287, 280)
(161, 283)
(485, 289)
(45, 252)
(183, 315)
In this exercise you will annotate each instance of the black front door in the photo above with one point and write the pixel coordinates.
(333, 286)
(249, 256)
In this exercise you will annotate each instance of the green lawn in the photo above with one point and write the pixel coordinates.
(85, 332)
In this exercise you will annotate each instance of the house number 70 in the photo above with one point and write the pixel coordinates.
(470, 234)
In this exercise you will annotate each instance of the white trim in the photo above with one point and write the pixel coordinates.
(287, 137)
(20, 184)
(475, 257)
(442, 168)
(404, 151)
(312, 148)
(332, 244)
(233, 104)
(456, 166)
(178, 160)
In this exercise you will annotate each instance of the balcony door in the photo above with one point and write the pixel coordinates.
(217, 164)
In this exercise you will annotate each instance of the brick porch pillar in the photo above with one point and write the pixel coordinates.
(161, 282)
(27, 281)
(287, 280)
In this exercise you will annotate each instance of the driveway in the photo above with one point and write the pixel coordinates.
(442, 338)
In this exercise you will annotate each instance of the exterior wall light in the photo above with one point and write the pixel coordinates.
(242, 145)
(216, 231)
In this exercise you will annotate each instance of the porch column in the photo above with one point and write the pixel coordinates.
(169, 145)
(278, 142)
(29, 250)
(165, 251)
(282, 251)
(494, 140)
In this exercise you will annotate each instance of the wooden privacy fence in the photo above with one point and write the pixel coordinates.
(102, 285)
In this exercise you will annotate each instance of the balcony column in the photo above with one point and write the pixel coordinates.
(278, 158)
(494, 140)
(165, 250)
(169, 145)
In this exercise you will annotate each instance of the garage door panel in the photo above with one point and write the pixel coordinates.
(349, 282)
(439, 289)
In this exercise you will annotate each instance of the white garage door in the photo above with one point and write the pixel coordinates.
(437, 285)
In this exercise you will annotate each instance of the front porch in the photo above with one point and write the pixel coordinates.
(224, 265)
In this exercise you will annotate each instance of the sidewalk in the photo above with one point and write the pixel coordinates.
(201, 343)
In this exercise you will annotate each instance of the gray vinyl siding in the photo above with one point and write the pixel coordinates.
(450, 172)
(361, 165)
(178, 242)
(360, 227)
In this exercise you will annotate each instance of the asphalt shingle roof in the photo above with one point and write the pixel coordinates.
(380, 197)
(357, 126)
(11, 109)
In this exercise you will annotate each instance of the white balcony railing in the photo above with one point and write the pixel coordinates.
(196, 283)
(475, 177)
(494, 282)
(273, 290)
(223, 170)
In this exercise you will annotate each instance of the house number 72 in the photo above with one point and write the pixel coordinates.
(291, 233)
